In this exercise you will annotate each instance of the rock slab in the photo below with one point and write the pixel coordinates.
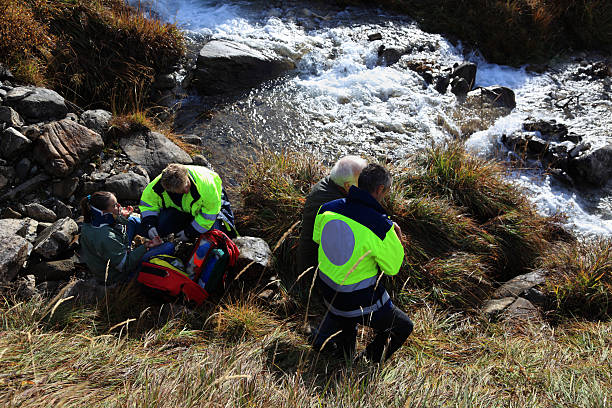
(227, 67)
(14, 254)
(37, 104)
(153, 151)
(65, 144)
(55, 238)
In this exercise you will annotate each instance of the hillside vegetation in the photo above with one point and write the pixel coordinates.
(514, 31)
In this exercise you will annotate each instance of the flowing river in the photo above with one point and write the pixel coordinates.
(339, 100)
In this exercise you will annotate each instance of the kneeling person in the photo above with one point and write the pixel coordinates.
(357, 240)
(187, 201)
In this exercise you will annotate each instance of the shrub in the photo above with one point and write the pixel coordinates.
(580, 277)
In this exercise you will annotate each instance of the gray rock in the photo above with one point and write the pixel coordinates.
(6, 74)
(48, 288)
(65, 189)
(164, 81)
(499, 96)
(13, 143)
(97, 120)
(23, 168)
(25, 228)
(535, 296)
(65, 144)
(153, 151)
(84, 291)
(55, 238)
(2, 94)
(521, 309)
(3, 181)
(72, 116)
(192, 139)
(495, 306)
(466, 71)
(54, 271)
(375, 37)
(459, 87)
(40, 213)
(61, 209)
(253, 250)
(226, 67)
(389, 56)
(10, 117)
(13, 256)
(200, 160)
(26, 287)
(594, 167)
(126, 186)
(515, 286)
(442, 84)
(26, 186)
(37, 104)
(8, 212)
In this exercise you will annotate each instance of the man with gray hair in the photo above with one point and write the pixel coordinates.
(343, 175)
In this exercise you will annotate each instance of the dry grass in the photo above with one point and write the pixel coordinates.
(99, 53)
(516, 31)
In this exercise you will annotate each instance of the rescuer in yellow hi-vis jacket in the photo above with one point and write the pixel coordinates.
(187, 201)
(357, 242)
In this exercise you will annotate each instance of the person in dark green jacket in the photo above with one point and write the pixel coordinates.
(106, 239)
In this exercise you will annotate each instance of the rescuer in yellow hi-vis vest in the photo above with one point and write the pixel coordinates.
(186, 201)
(357, 242)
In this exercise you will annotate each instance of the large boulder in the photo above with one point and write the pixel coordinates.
(97, 120)
(594, 167)
(467, 72)
(227, 67)
(37, 104)
(12, 142)
(153, 151)
(126, 186)
(55, 238)
(25, 228)
(15, 250)
(499, 96)
(65, 144)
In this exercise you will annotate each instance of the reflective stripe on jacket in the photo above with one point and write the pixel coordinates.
(346, 230)
(203, 201)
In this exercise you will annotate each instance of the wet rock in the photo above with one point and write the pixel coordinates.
(37, 104)
(467, 72)
(227, 67)
(126, 186)
(388, 56)
(153, 151)
(375, 37)
(442, 84)
(597, 70)
(54, 271)
(10, 117)
(25, 228)
(499, 96)
(40, 213)
(13, 256)
(164, 81)
(515, 286)
(579, 148)
(521, 309)
(65, 144)
(459, 86)
(549, 130)
(253, 250)
(97, 120)
(55, 239)
(594, 167)
(65, 189)
(495, 306)
(12, 143)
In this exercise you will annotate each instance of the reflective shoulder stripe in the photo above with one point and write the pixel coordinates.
(198, 227)
(211, 217)
(366, 283)
(145, 204)
(149, 213)
(359, 312)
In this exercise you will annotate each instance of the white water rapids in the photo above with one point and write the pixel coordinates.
(339, 101)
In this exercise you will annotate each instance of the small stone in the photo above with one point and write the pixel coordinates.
(97, 120)
(521, 309)
(467, 72)
(375, 37)
(48, 288)
(61, 209)
(26, 287)
(253, 250)
(192, 139)
(200, 160)
(459, 86)
(535, 296)
(40, 213)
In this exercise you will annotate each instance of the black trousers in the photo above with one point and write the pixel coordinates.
(391, 324)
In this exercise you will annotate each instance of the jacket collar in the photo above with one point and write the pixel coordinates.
(100, 219)
(332, 183)
(356, 194)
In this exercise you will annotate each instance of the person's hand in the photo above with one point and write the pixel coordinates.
(126, 211)
(153, 233)
(154, 242)
(181, 236)
(398, 231)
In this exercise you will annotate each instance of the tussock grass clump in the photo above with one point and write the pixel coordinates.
(580, 277)
(244, 318)
(516, 31)
(100, 53)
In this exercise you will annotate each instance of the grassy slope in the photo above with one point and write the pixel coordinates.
(241, 351)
